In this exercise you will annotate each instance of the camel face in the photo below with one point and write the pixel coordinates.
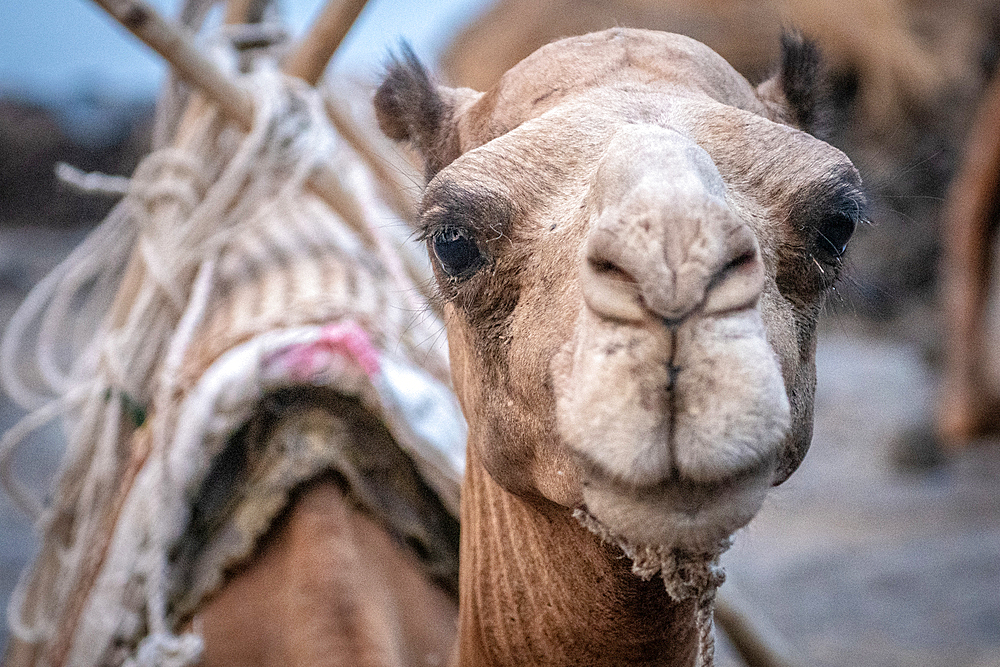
(633, 245)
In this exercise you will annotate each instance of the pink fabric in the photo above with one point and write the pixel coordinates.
(344, 339)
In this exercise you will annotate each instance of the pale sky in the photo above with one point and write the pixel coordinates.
(53, 48)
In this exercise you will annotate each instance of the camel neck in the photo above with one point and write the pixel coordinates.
(538, 588)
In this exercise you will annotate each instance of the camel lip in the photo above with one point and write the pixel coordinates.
(686, 515)
(687, 490)
(676, 512)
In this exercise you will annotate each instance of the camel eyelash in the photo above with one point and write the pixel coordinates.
(828, 213)
(474, 207)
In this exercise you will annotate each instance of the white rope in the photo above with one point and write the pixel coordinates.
(92, 182)
(22, 498)
(167, 650)
(102, 251)
(167, 493)
(704, 621)
(27, 631)
(97, 269)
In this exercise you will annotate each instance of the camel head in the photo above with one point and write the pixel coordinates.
(632, 245)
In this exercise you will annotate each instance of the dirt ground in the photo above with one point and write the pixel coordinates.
(856, 563)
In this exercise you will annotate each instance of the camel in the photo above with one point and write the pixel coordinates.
(632, 246)
(968, 405)
(333, 583)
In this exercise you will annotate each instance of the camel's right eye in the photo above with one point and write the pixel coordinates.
(834, 233)
(457, 252)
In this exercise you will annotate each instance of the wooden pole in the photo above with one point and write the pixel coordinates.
(755, 640)
(238, 11)
(308, 62)
(314, 51)
(176, 47)
(393, 187)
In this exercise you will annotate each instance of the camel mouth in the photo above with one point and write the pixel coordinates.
(647, 407)
(677, 513)
(677, 433)
(690, 493)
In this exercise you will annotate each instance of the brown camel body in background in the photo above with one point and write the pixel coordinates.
(969, 405)
(329, 585)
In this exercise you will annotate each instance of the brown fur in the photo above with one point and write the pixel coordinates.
(329, 587)
(358, 570)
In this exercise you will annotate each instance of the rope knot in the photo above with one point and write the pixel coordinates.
(168, 176)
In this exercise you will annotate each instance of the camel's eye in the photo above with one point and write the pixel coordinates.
(458, 253)
(834, 232)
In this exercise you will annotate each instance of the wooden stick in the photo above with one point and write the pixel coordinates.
(237, 11)
(391, 182)
(314, 51)
(176, 47)
(755, 640)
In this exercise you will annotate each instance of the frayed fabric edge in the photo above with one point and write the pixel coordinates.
(686, 575)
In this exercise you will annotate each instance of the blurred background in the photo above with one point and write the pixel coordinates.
(884, 548)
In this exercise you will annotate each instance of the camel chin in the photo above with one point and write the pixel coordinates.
(693, 519)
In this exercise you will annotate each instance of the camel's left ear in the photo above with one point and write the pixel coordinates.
(795, 94)
(411, 108)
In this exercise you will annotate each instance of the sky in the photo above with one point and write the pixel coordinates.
(51, 49)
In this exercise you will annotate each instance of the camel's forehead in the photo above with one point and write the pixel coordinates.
(542, 157)
(613, 63)
(535, 142)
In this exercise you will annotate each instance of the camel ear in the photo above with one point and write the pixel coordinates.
(411, 108)
(795, 94)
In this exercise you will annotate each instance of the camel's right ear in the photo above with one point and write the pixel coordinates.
(796, 94)
(409, 107)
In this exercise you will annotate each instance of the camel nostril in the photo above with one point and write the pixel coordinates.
(610, 271)
(742, 261)
(610, 291)
(737, 285)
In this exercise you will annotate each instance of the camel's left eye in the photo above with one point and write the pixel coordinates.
(457, 252)
(834, 233)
